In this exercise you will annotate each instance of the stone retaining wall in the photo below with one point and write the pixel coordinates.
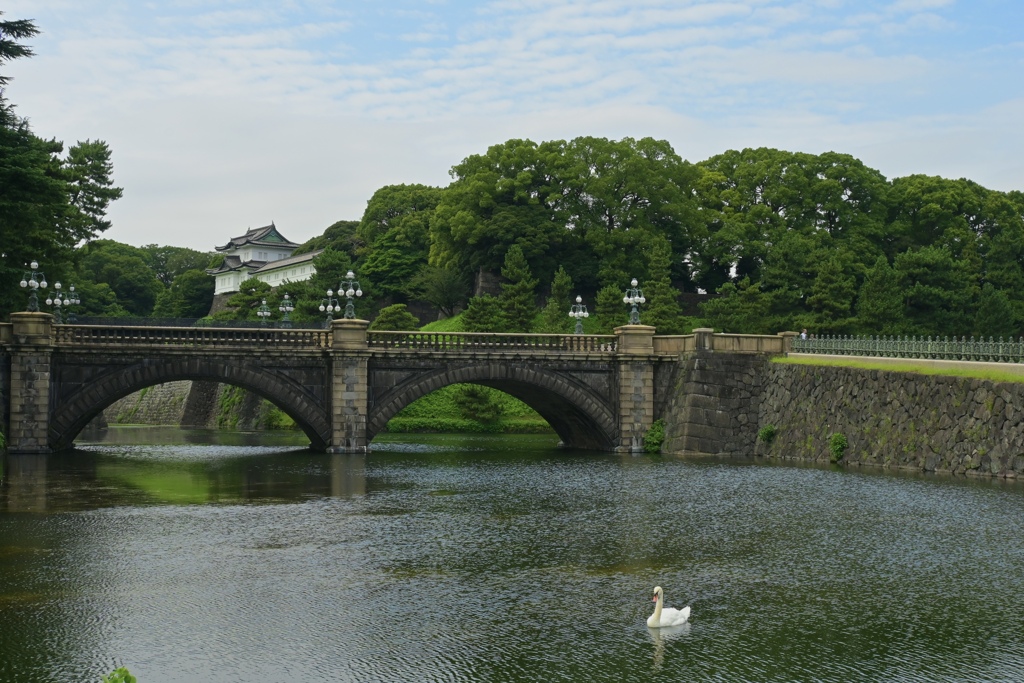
(161, 404)
(713, 408)
(894, 419)
(899, 420)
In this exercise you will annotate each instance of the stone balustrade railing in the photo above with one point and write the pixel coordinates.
(707, 340)
(66, 335)
(962, 349)
(491, 341)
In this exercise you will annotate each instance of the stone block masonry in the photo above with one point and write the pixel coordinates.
(896, 420)
(713, 407)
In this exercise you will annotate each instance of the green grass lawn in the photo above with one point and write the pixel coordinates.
(962, 370)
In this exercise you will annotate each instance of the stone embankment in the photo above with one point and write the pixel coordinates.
(895, 419)
(898, 420)
(191, 404)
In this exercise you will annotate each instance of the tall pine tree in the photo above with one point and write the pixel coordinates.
(517, 293)
(662, 308)
(555, 316)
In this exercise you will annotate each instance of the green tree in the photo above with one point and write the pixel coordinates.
(484, 314)
(124, 269)
(832, 296)
(506, 196)
(995, 316)
(740, 308)
(619, 194)
(243, 304)
(189, 296)
(339, 236)
(395, 230)
(555, 315)
(87, 171)
(880, 301)
(610, 311)
(169, 262)
(395, 317)
(517, 293)
(444, 288)
(938, 291)
(662, 308)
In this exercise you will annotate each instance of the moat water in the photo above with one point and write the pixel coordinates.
(228, 559)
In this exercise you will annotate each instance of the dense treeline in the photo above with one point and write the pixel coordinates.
(786, 240)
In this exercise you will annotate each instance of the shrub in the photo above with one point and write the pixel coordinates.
(837, 446)
(477, 403)
(395, 317)
(654, 437)
(119, 675)
(766, 434)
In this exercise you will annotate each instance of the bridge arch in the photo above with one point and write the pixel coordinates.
(71, 416)
(580, 416)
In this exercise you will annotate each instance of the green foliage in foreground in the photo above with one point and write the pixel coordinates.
(453, 324)
(766, 434)
(837, 444)
(654, 437)
(468, 408)
(119, 675)
(964, 370)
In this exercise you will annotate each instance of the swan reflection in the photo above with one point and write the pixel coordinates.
(663, 635)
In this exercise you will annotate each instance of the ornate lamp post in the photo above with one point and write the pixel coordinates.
(634, 297)
(351, 288)
(330, 304)
(264, 313)
(72, 300)
(29, 280)
(578, 311)
(286, 307)
(56, 302)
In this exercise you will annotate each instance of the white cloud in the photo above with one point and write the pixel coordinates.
(227, 115)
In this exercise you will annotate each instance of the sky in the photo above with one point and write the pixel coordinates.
(225, 115)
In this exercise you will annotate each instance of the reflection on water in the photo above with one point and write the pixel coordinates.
(154, 475)
(497, 559)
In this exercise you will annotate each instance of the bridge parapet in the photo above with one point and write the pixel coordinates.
(112, 335)
(493, 341)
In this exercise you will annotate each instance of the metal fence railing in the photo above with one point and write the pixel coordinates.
(962, 348)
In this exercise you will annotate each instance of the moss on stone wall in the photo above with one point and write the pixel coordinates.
(894, 419)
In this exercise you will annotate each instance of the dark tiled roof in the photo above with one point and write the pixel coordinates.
(232, 262)
(267, 236)
(286, 262)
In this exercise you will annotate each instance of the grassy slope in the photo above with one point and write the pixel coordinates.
(439, 412)
(983, 372)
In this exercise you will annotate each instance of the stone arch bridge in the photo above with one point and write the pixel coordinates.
(343, 384)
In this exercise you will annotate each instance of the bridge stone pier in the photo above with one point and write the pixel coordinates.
(340, 385)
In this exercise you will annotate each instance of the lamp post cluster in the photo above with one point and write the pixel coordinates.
(286, 308)
(57, 302)
(33, 279)
(330, 304)
(263, 312)
(351, 288)
(578, 311)
(634, 297)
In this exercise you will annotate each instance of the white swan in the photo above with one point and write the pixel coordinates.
(666, 616)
